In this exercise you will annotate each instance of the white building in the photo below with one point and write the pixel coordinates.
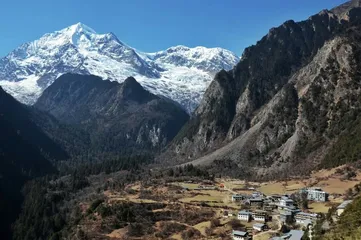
(260, 216)
(303, 217)
(239, 235)
(342, 206)
(244, 216)
(259, 227)
(315, 194)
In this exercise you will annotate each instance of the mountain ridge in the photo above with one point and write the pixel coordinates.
(266, 121)
(179, 73)
(118, 116)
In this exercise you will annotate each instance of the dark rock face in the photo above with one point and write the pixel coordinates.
(281, 100)
(115, 115)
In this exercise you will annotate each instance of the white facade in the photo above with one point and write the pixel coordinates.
(286, 202)
(315, 194)
(258, 227)
(302, 217)
(244, 216)
(259, 218)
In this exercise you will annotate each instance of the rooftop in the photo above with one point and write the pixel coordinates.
(344, 204)
(286, 214)
(258, 225)
(292, 235)
(312, 189)
(239, 195)
(306, 214)
(256, 199)
(240, 233)
(296, 234)
(244, 212)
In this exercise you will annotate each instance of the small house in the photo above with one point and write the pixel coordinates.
(301, 217)
(244, 216)
(260, 227)
(342, 206)
(292, 235)
(240, 235)
(238, 197)
(258, 202)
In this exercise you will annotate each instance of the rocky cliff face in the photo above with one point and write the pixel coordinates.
(115, 115)
(285, 103)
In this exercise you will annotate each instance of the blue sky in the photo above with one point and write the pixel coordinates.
(152, 25)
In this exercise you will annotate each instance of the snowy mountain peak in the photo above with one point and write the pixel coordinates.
(79, 28)
(179, 73)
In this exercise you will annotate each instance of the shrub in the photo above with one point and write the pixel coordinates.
(191, 234)
(215, 223)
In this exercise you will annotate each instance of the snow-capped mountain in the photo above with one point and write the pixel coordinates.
(179, 73)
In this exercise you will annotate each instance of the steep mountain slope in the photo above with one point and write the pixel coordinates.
(118, 117)
(281, 108)
(24, 154)
(179, 73)
(21, 119)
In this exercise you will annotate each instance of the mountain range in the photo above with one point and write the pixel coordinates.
(289, 106)
(178, 73)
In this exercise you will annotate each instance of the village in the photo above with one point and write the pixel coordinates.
(225, 208)
(265, 216)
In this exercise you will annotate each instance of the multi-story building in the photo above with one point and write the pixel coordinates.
(302, 217)
(260, 216)
(244, 216)
(315, 194)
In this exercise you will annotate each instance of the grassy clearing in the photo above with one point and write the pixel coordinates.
(202, 226)
(201, 198)
(118, 233)
(294, 186)
(335, 185)
(263, 236)
(319, 207)
(135, 200)
(272, 188)
(190, 186)
(208, 195)
(234, 184)
(177, 236)
(281, 187)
